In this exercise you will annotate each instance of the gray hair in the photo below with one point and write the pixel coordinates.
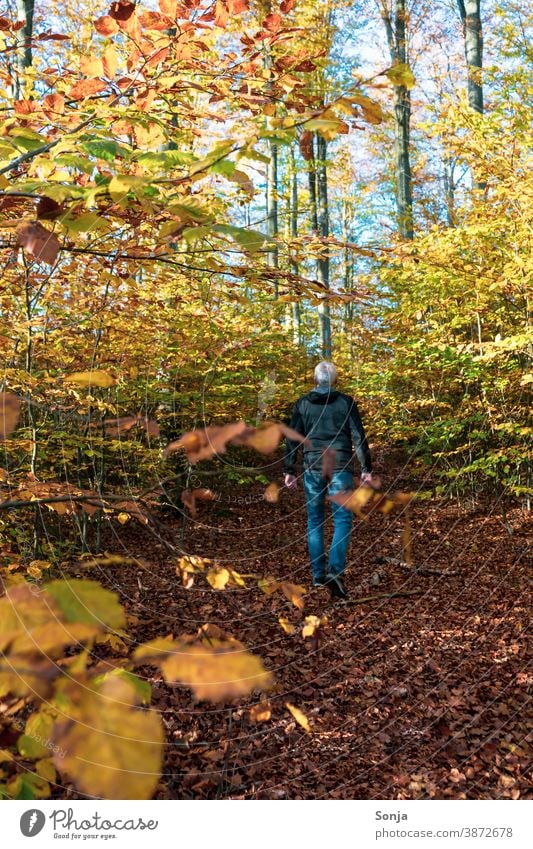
(325, 374)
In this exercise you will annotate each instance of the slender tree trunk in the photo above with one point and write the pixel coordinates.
(397, 40)
(323, 231)
(449, 189)
(23, 55)
(272, 208)
(473, 36)
(311, 176)
(293, 231)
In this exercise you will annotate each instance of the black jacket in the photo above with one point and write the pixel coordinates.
(330, 420)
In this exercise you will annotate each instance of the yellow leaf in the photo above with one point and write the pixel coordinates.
(299, 716)
(110, 748)
(287, 626)
(218, 578)
(401, 75)
(91, 67)
(110, 61)
(5, 755)
(268, 585)
(312, 623)
(261, 712)
(217, 672)
(45, 768)
(123, 518)
(121, 184)
(91, 378)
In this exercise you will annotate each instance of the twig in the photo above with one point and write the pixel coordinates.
(384, 595)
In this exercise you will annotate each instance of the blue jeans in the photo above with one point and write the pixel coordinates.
(316, 487)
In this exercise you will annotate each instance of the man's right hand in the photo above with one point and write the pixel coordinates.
(291, 482)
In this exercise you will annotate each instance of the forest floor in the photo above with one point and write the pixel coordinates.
(419, 696)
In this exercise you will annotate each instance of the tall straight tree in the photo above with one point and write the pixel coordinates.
(324, 318)
(23, 55)
(470, 12)
(395, 17)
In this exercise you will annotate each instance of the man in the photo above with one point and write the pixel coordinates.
(329, 419)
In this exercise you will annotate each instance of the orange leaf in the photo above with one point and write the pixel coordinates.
(221, 14)
(285, 6)
(354, 500)
(24, 107)
(9, 413)
(154, 21)
(38, 242)
(86, 88)
(294, 592)
(272, 23)
(106, 25)
(271, 493)
(54, 104)
(168, 7)
(261, 712)
(110, 61)
(203, 444)
(91, 67)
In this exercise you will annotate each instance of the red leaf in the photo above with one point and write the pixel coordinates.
(122, 10)
(329, 457)
(272, 23)
(39, 242)
(306, 145)
(285, 6)
(48, 209)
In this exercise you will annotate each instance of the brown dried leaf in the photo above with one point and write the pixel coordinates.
(9, 414)
(294, 592)
(38, 242)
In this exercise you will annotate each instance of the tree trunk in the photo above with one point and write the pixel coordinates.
(473, 36)
(293, 231)
(23, 55)
(272, 208)
(323, 231)
(397, 40)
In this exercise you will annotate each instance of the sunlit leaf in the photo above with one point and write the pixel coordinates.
(299, 716)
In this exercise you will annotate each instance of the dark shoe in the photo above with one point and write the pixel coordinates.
(336, 587)
(320, 582)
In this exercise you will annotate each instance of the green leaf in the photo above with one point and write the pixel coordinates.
(141, 687)
(35, 742)
(87, 602)
(401, 75)
(120, 185)
(84, 223)
(102, 148)
(249, 240)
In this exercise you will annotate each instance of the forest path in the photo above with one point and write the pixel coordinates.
(409, 697)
